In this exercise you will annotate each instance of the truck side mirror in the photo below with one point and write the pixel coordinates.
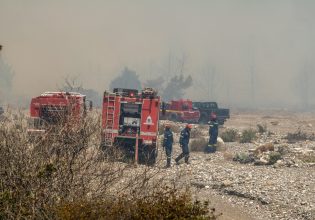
(90, 105)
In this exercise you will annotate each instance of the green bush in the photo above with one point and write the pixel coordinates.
(248, 136)
(262, 128)
(244, 158)
(230, 135)
(274, 157)
(198, 145)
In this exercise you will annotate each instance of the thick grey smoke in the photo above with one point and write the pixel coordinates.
(6, 78)
(249, 53)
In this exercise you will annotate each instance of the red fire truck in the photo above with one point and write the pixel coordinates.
(180, 110)
(130, 122)
(51, 108)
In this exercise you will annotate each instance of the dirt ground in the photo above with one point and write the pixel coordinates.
(246, 191)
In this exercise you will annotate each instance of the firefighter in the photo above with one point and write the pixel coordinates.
(168, 144)
(184, 141)
(213, 133)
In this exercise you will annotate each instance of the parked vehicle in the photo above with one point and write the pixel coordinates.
(206, 108)
(52, 108)
(180, 110)
(130, 122)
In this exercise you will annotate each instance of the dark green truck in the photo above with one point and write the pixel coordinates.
(206, 108)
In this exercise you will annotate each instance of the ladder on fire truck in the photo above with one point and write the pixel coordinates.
(110, 119)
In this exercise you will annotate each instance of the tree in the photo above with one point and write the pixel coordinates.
(176, 86)
(156, 83)
(73, 85)
(127, 80)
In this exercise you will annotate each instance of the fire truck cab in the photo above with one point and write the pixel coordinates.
(180, 110)
(130, 122)
(51, 108)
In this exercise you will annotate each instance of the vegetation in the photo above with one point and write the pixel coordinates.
(248, 136)
(196, 133)
(261, 128)
(229, 135)
(244, 158)
(307, 158)
(198, 144)
(299, 136)
(274, 157)
(128, 80)
(63, 174)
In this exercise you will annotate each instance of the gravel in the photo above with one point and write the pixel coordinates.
(285, 190)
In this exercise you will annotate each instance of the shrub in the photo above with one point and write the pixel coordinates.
(274, 157)
(262, 128)
(244, 158)
(158, 205)
(230, 135)
(195, 133)
(307, 158)
(299, 136)
(198, 144)
(248, 136)
(64, 174)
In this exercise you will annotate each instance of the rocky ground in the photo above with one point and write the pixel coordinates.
(284, 190)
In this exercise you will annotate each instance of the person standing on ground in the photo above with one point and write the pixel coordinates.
(184, 141)
(168, 144)
(213, 133)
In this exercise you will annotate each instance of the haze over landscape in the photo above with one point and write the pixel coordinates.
(240, 53)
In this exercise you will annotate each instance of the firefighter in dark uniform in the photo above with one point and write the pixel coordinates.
(213, 133)
(168, 144)
(184, 141)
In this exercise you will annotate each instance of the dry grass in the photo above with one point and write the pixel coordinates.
(64, 174)
(198, 145)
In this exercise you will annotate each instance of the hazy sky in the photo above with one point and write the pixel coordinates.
(46, 40)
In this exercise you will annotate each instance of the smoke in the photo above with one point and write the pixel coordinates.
(6, 78)
(258, 50)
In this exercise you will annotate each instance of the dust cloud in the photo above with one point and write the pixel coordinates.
(241, 53)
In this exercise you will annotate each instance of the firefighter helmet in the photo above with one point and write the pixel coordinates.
(213, 115)
(189, 126)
